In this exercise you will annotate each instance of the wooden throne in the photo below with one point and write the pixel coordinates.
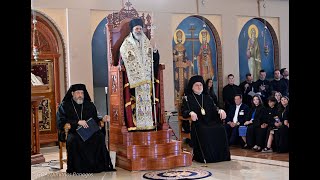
(148, 150)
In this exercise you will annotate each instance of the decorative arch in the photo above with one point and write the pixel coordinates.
(188, 54)
(268, 47)
(51, 42)
(51, 68)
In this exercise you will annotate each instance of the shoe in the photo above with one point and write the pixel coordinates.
(258, 149)
(267, 150)
(187, 140)
(255, 147)
(245, 146)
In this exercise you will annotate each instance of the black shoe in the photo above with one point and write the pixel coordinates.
(189, 142)
(245, 146)
(258, 149)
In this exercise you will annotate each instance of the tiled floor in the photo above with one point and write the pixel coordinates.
(244, 165)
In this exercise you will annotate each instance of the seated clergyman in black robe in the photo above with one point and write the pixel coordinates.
(208, 135)
(90, 156)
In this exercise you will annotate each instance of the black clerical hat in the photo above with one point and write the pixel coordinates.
(135, 22)
(76, 87)
(194, 79)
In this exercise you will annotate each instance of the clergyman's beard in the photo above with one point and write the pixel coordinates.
(79, 100)
(138, 36)
(198, 92)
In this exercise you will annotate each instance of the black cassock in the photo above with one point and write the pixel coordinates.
(90, 156)
(208, 129)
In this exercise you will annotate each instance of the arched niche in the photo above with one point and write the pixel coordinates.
(264, 50)
(189, 54)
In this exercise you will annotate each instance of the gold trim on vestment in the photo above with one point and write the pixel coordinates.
(127, 104)
(145, 128)
(132, 128)
(137, 60)
(134, 119)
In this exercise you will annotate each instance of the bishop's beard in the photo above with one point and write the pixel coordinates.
(138, 35)
(78, 100)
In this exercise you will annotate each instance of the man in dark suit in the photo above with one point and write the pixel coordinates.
(236, 118)
(228, 93)
(262, 87)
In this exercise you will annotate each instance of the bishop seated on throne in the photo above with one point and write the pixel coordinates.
(141, 62)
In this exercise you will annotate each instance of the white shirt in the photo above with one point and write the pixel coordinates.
(235, 117)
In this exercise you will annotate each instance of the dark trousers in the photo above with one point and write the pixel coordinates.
(281, 139)
(256, 136)
(233, 135)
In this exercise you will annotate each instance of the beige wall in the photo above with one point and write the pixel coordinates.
(78, 20)
(280, 9)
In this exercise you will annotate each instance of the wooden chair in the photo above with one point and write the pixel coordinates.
(182, 134)
(67, 126)
(62, 145)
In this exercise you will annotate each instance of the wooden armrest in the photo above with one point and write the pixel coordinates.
(67, 127)
(101, 124)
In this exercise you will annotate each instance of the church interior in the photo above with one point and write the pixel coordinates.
(78, 41)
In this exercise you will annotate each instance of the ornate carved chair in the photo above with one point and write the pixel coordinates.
(149, 150)
(62, 144)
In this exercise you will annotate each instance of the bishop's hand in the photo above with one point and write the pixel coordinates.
(193, 115)
(106, 118)
(222, 114)
(83, 123)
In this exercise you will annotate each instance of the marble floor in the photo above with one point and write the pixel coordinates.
(244, 165)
